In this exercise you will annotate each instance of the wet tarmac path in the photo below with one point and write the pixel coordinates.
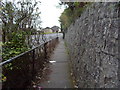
(57, 73)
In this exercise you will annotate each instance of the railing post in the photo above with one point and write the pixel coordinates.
(45, 50)
(33, 63)
(50, 47)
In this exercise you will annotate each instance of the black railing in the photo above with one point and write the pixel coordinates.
(21, 70)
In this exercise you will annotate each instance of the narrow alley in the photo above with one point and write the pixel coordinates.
(59, 76)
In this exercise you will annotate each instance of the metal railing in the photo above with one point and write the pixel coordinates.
(21, 70)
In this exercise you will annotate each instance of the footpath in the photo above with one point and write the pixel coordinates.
(58, 71)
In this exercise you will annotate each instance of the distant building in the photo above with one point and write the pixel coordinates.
(56, 29)
(47, 30)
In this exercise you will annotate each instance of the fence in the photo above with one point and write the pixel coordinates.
(21, 70)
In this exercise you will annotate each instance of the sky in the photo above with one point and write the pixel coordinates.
(50, 13)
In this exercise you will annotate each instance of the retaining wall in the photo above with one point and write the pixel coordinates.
(92, 42)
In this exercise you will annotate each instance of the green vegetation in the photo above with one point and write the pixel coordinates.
(15, 46)
(49, 32)
(71, 13)
(19, 21)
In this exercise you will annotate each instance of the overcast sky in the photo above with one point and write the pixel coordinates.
(50, 13)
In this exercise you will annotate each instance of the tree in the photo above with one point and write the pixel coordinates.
(71, 13)
(18, 21)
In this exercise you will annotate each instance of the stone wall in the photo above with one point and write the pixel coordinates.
(92, 42)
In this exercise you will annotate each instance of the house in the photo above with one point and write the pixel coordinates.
(47, 30)
(56, 29)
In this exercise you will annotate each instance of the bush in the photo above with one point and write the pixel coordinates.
(15, 46)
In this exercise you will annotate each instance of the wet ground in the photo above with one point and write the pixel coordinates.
(57, 73)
